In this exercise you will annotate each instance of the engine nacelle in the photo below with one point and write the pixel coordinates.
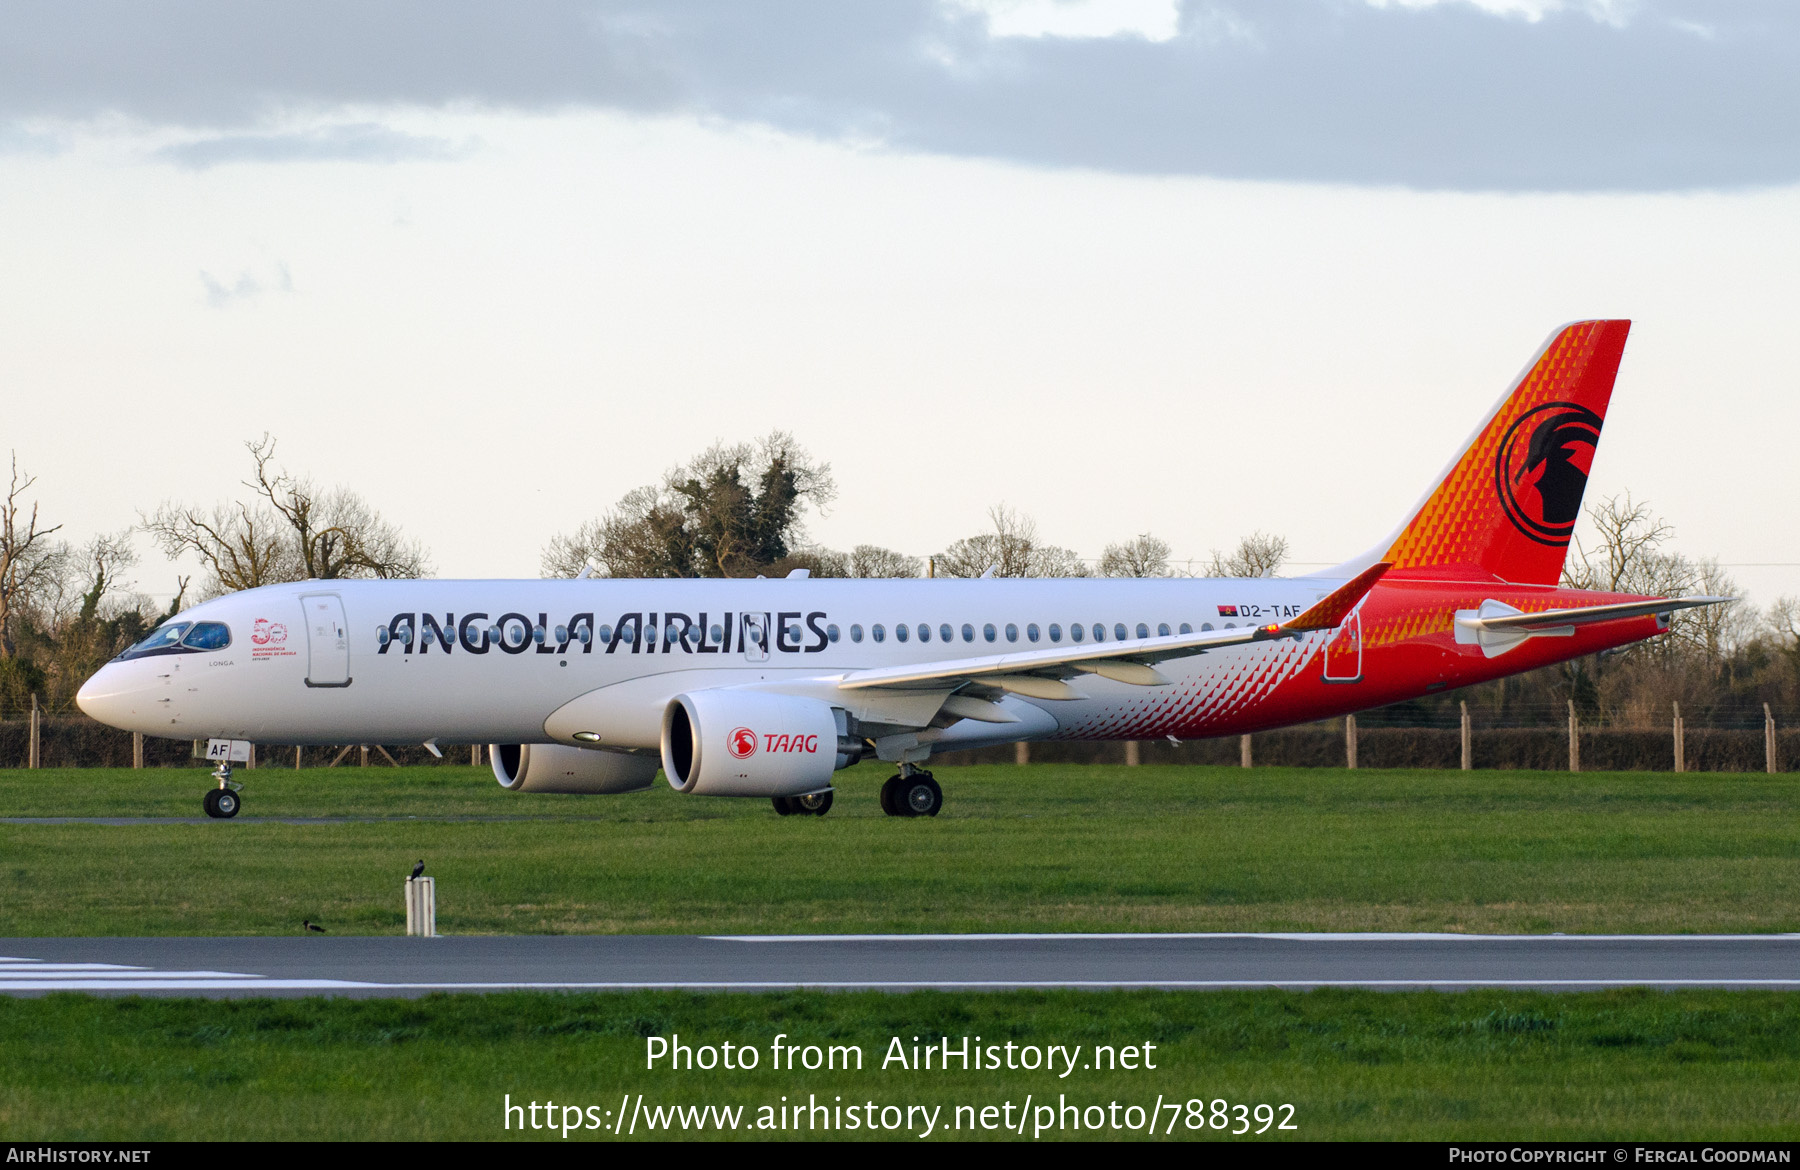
(745, 743)
(554, 767)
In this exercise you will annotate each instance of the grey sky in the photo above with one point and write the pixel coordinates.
(1651, 95)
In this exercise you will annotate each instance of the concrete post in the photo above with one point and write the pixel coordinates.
(1680, 742)
(1350, 742)
(1131, 753)
(1574, 740)
(1768, 739)
(1468, 749)
(137, 749)
(1021, 753)
(1244, 751)
(33, 754)
(421, 907)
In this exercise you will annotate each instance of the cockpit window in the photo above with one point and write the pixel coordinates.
(162, 640)
(207, 636)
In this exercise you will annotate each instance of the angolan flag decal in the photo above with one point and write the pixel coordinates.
(1228, 611)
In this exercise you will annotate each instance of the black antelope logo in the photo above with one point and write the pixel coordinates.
(1542, 469)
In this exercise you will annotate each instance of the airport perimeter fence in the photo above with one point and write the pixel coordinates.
(1533, 738)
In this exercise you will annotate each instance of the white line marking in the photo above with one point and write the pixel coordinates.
(10, 977)
(255, 983)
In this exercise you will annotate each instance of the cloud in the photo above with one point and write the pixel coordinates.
(246, 287)
(356, 142)
(1469, 94)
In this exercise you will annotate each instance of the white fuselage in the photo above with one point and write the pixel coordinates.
(419, 661)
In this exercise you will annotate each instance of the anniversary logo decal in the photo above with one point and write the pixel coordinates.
(1542, 469)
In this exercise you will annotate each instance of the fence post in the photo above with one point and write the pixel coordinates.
(1350, 742)
(474, 755)
(364, 762)
(297, 750)
(1244, 751)
(137, 749)
(250, 762)
(1131, 753)
(1574, 740)
(1768, 739)
(33, 758)
(1021, 753)
(1680, 742)
(1468, 751)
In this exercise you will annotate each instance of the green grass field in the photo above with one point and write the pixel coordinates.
(1479, 1065)
(1047, 847)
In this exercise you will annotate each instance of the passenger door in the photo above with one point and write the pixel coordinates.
(1344, 653)
(327, 641)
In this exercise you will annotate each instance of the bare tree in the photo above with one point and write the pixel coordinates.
(1628, 556)
(868, 560)
(1012, 549)
(30, 562)
(1142, 556)
(1257, 555)
(289, 530)
(733, 511)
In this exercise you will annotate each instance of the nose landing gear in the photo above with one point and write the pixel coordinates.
(913, 793)
(223, 802)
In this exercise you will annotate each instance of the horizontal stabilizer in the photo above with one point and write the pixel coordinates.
(1498, 627)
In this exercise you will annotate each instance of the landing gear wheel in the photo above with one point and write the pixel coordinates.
(221, 803)
(916, 795)
(921, 796)
(784, 806)
(814, 804)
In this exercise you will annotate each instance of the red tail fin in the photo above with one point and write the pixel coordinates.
(1508, 505)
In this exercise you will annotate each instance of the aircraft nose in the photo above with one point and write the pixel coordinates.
(102, 697)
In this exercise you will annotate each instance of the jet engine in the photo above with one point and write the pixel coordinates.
(552, 767)
(746, 743)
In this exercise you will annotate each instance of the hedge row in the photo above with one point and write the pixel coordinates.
(79, 742)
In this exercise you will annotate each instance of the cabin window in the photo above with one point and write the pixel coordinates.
(1206, 627)
(879, 633)
(945, 632)
(1119, 634)
(1162, 630)
(831, 633)
(1012, 633)
(1055, 632)
(924, 632)
(968, 633)
(1076, 632)
(855, 632)
(1031, 632)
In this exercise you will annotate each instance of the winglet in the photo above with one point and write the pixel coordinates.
(1336, 606)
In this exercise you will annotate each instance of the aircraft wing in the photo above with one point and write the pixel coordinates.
(1039, 673)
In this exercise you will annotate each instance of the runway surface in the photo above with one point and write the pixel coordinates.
(391, 966)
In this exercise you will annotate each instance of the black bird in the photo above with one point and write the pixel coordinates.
(311, 925)
(419, 869)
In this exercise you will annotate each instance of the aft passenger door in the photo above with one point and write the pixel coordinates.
(1344, 653)
(327, 641)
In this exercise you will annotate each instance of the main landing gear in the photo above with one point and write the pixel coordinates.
(912, 793)
(813, 804)
(223, 802)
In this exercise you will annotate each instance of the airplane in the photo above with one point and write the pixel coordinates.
(766, 688)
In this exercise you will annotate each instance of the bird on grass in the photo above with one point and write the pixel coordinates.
(309, 924)
(418, 870)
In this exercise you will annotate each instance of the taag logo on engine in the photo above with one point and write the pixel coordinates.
(742, 743)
